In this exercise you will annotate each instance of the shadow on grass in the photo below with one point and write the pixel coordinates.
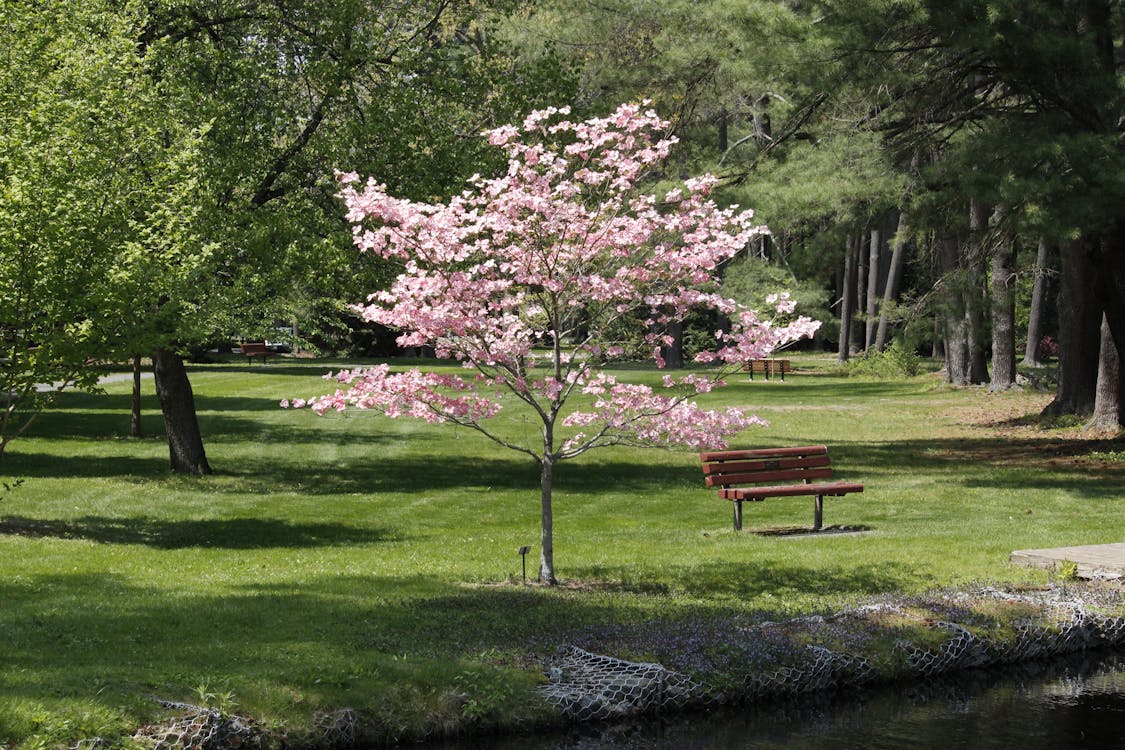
(324, 635)
(761, 578)
(972, 464)
(220, 425)
(335, 642)
(1002, 463)
(237, 533)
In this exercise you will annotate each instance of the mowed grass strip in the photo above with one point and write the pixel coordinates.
(357, 561)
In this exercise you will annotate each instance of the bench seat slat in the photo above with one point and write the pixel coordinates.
(789, 490)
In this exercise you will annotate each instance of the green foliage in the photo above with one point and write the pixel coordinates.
(895, 362)
(750, 280)
(96, 199)
(485, 694)
(222, 701)
(1067, 570)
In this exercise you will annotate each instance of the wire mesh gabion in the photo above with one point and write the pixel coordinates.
(820, 669)
(202, 728)
(960, 651)
(586, 686)
(336, 728)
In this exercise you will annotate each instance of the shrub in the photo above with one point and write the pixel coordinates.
(896, 361)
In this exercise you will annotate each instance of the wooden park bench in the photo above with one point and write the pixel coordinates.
(789, 472)
(768, 367)
(255, 350)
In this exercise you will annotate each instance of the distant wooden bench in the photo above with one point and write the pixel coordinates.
(255, 350)
(797, 467)
(768, 367)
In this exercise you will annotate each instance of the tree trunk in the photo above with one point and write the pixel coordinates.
(894, 276)
(1079, 334)
(673, 353)
(847, 301)
(546, 528)
(1109, 278)
(1038, 300)
(185, 443)
(861, 292)
(1108, 415)
(135, 417)
(937, 351)
(956, 318)
(975, 289)
(1003, 311)
(872, 291)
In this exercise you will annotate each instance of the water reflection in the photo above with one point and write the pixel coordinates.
(1074, 703)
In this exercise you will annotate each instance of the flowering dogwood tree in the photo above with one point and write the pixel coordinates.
(527, 279)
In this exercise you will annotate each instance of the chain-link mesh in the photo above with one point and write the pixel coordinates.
(820, 669)
(336, 729)
(585, 686)
(201, 728)
(961, 651)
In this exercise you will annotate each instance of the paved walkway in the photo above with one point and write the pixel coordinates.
(1093, 561)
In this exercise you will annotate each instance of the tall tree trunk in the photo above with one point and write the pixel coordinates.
(1079, 333)
(894, 276)
(546, 526)
(937, 351)
(185, 442)
(861, 292)
(847, 301)
(953, 307)
(1108, 415)
(975, 290)
(135, 416)
(1109, 279)
(1003, 309)
(1038, 302)
(872, 291)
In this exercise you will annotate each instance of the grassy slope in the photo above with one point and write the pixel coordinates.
(363, 562)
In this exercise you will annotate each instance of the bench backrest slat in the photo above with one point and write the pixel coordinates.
(741, 467)
(726, 468)
(755, 453)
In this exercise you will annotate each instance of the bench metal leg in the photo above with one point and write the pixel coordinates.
(738, 515)
(818, 513)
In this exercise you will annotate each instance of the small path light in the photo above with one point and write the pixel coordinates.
(522, 552)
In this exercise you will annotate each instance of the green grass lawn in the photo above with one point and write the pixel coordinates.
(357, 561)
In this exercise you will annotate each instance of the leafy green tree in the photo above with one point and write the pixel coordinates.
(93, 189)
(168, 167)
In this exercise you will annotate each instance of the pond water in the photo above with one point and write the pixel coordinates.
(1074, 703)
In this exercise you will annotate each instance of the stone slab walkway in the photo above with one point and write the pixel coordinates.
(1093, 561)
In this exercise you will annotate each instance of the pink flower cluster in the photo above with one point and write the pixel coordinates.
(423, 395)
(524, 277)
(624, 413)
